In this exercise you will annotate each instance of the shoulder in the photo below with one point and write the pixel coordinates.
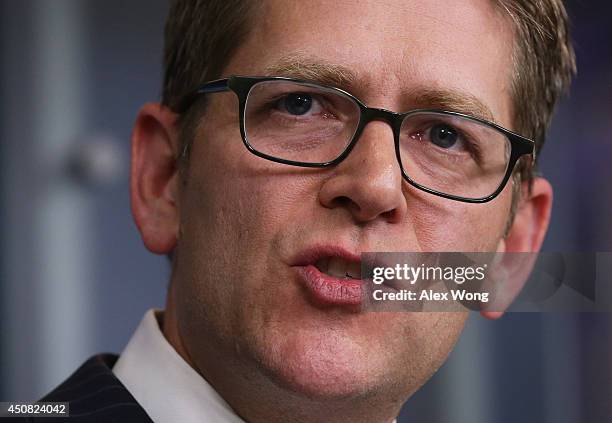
(94, 394)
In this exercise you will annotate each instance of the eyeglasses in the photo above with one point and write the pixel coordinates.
(300, 123)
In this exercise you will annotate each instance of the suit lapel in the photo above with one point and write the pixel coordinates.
(96, 395)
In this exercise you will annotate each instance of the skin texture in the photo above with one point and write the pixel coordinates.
(236, 311)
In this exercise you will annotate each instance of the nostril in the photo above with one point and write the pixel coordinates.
(343, 201)
(392, 215)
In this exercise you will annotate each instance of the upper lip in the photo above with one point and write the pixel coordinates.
(313, 254)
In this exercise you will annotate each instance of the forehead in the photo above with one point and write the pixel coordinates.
(394, 48)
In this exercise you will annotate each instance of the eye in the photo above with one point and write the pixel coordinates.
(443, 136)
(296, 104)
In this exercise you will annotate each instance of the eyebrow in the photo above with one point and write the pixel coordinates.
(320, 71)
(316, 70)
(453, 100)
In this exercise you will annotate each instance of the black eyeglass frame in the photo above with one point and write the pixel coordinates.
(242, 85)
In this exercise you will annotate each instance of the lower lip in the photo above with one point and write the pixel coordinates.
(328, 290)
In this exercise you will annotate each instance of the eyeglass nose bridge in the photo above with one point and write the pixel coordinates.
(369, 114)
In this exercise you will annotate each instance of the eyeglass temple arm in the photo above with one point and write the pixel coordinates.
(216, 86)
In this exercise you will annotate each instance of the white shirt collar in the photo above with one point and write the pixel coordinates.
(162, 382)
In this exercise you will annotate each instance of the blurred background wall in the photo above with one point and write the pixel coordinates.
(75, 279)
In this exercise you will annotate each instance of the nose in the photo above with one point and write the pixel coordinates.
(368, 183)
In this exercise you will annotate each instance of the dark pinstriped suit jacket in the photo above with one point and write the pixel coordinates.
(95, 395)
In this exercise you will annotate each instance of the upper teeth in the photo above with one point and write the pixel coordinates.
(340, 268)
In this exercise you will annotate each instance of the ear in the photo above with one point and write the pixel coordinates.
(528, 228)
(532, 218)
(154, 177)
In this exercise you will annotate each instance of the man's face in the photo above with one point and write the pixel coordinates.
(247, 224)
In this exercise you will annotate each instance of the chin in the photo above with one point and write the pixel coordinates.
(325, 366)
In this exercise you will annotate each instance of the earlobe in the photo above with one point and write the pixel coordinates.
(527, 231)
(154, 177)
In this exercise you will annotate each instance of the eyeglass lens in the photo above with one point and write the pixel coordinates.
(308, 123)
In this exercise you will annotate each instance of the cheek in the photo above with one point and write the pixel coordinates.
(488, 221)
(444, 225)
(235, 208)
(233, 181)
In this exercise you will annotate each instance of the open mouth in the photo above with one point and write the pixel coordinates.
(338, 267)
(331, 276)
